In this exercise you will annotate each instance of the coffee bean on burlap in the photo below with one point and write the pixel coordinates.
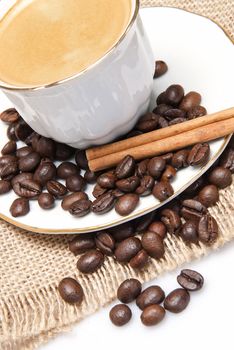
(140, 260)
(129, 290)
(208, 229)
(141, 224)
(221, 177)
(105, 243)
(91, 261)
(227, 159)
(209, 195)
(159, 228)
(153, 244)
(122, 231)
(192, 210)
(127, 249)
(82, 243)
(189, 232)
(171, 220)
(71, 291)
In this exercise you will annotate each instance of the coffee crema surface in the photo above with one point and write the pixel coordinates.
(43, 41)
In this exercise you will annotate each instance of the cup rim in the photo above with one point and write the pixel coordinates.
(112, 48)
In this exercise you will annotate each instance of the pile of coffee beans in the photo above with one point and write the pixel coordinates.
(33, 171)
(149, 300)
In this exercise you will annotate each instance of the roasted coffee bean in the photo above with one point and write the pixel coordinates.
(8, 159)
(29, 162)
(149, 296)
(192, 210)
(162, 123)
(19, 207)
(80, 208)
(45, 172)
(208, 229)
(177, 300)
(146, 186)
(32, 140)
(128, 185)
(46, 147)
(209, 195)
(156, 166)
(141, 168)
(153, 244)
(98, 191)
(193, 189)
(11, 132)
(21, 177)
(142, 223)
(81, 159)
(63, 151)
(161, 109)
(81, 244)
(160, 68)
(189, 232)
(180, 159)
(174, 113)
(169, 173)
(23, 151)
(9, 170)
(196, 112)
(133, 133)
(103, 203)
(125, 168)
(129, 290)
(167, 157)
(159, 228)
(127, 249)
(27, 188)
(152, 315)
(120, 315)
(55, 188)
(126, 204)
(106, 180)
(46, 200)
(91, 261)
(163, 190)
(75, 183)
(199, 154)
(148, 122)
(9, 148)
(22, 130)
(190, 100)
(171, 220)
(9, 116)
(161, 98)
(71, 291)
(175, 205)
(5, 186)
(177, 121)
(67, 169)
(105, 243)
(140, 260)
(227, 159)
(72, 198)
(90, 176)
(190, 280)
(117, 193)
(220, 177)
(122, 231)
(174, 95)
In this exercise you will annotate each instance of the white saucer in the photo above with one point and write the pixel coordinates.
(200, 57)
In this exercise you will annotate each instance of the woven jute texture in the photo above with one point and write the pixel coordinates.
(31, 265)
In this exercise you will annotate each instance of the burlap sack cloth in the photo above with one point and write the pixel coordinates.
(31, 265)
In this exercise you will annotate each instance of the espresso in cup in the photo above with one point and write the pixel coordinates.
(44, 41)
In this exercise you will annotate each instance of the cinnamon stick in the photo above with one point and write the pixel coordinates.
(167, 144)
(100, 151)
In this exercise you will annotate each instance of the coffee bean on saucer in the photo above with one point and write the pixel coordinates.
(105, 243)
(152, 315)
(169, 173)
(150, 296)
(98, 191)
(127, 249)
(90, 177)
(45, 172)
(190, 280)
(189, 232)
(75, 183)
(9, 148)
(227, 159)
(190, 100)
(120, 315)
(155, 166)
(46, 200)
(177, 121)
(80, 208)
(21, 177)
(220, 177)
(199, 154)
(72, 198)
(159, 228)
(23, 151)
(209, 195)
(162, 123)
(29, 162)
(160, 68)
(153, 245)
(208, 229)
(163, 190)
(103, 203)
(177, 300)
(148, 122)
(27, 188)
(8, 169)
(81, 159)
(171, 220)
(22, 130)
(167, 157)
(63, 152)
(174, 94)
(129, 290)
(82, 243)
(32, 140)
(140, 260)
(106, 180)
(5, 186)
(10, 116)
(125, 168)
(192, 210)
(174, 113)
(19, 207)
(55, 188)
(91, 261)
(161, 98)
(129, 184)
(146, 186)
(180, 159)
(196, 112)
(141, 168)
(122, 231)
(67, 169)
(11, 132)
(71, 291)
(133, 133)
(126, 204)
(46, 147)
(161, 109)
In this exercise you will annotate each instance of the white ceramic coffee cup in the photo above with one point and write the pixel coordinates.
(98, 104)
